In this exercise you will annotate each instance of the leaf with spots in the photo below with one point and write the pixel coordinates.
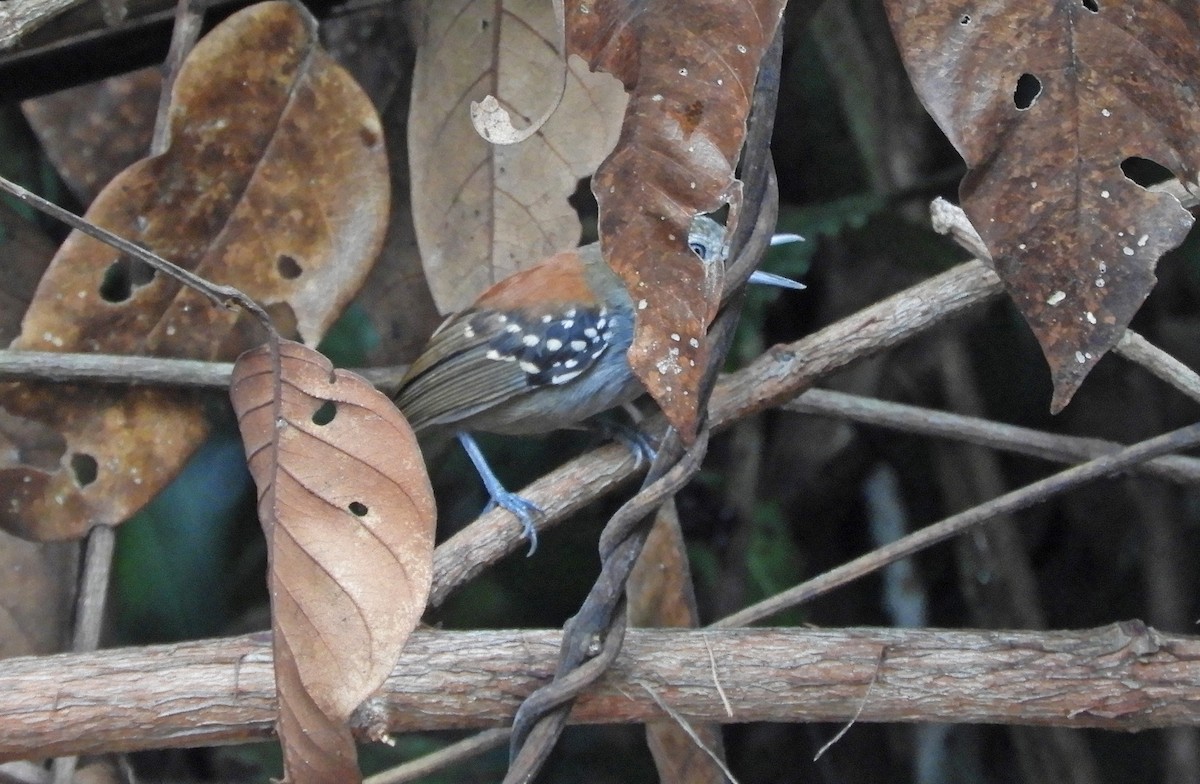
(1061, 111)
(485, 211)
(690, 86)
(275, 182)
(349, 517)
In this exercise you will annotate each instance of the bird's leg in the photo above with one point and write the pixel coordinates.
(523, 509)
(629, 435)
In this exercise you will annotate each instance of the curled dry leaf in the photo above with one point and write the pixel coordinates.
(690, 67)
(348, 511)
(485, 211)
(1050, 104)
(275, 182)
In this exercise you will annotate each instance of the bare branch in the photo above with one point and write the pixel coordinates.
(1021, 498)
(984, 432)
(1124, 676)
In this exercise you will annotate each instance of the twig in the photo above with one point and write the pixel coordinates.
(861, 707)
(983, 432)
(1027, 496)
(947, 218)
(184, 34)
(222, 296)
(159, 371)
(89, 613)
(688, 730)
(712, 667)
(1137, 349)
(443, 758)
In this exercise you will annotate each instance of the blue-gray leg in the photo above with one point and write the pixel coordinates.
(525, 510)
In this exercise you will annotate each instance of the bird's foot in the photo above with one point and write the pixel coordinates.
(630, 436)
(522, 508)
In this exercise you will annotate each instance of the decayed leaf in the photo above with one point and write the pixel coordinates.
(35, 596)
(690, 90)
(35, 600)
(349, 517)
(375, 45)
(1045, 102)
(93, 131)
(275, 182)
(485, 211)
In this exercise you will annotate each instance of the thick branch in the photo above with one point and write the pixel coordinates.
(1123, 676)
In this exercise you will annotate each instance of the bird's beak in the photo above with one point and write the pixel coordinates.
(770, 278)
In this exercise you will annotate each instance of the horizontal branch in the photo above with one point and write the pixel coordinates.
(1055, 447)
(1123, 676)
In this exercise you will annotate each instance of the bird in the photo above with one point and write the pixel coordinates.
(541, 350)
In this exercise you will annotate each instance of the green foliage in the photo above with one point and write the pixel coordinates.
(171, 572)
(351, 338)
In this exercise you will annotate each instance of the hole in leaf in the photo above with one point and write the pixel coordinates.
(1092, 6)
(325, 414)
(584, 204)
(369, 137)
(289, 268)
(122, 277)
(964, 20)
(1145, 172)
(359, 509)
(1029, 87)
(85, 468)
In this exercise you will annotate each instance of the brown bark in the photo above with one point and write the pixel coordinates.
(1124, 676)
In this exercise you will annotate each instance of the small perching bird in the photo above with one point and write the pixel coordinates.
(541, 350)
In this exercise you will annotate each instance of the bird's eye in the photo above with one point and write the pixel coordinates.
(699, 249)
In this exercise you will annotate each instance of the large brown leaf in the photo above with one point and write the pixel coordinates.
(484, 211)
(275, 182)
(1046, 101)
(690, 68)
(348, 512)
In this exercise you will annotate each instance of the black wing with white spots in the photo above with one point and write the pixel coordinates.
(481, 359)
(551, 349)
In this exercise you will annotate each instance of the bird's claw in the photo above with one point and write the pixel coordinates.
(632, 438)
(524, 510)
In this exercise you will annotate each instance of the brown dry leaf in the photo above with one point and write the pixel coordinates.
(482, 212)
(348, 512)
(36, 595)
(376, 46)
(660, 595)
(691, 68)
(1045, 102)
(94, 131)
(275, 182)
